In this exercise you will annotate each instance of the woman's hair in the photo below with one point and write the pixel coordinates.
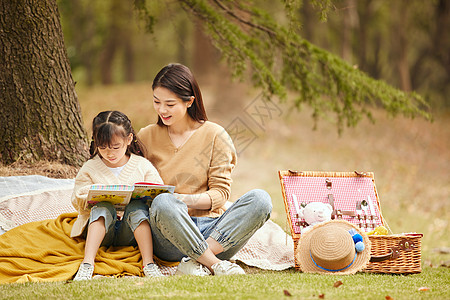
(108, 124)
(178, 79)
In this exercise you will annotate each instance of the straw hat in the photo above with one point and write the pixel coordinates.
(328, 248)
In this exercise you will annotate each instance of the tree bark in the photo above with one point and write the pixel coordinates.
(205, 56)
(308, 21)
(119, 37)
(365, 18)
(182, 34)
(441, 38)
(400, 45)
(83, 30)
(369, 47)
(41, 117)
(349, 22)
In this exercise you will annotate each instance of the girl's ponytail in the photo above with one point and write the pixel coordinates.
(92, 148)
(136, 146)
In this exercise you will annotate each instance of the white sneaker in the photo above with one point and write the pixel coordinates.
(152, 270)
(189, 266)
(85, 272)
(225, 267)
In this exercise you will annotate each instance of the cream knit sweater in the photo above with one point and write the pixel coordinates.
(94, 171)
(203, 164)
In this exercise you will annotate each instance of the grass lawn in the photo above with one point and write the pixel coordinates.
(260, 285)
(410, 159)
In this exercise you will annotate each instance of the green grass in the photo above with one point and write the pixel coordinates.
(262, 285)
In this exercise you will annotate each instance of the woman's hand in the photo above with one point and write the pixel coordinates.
(197, 201)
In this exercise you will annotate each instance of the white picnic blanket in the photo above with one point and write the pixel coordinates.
(25, 199)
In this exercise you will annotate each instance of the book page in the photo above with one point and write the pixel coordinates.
(148, 191)
(117, 194)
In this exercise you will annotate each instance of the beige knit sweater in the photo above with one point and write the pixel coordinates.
(94, 171)
(204, 163)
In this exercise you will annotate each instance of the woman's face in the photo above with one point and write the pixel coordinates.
(170, 108)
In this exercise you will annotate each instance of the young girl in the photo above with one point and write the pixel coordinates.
(116, 158)
(197, 156)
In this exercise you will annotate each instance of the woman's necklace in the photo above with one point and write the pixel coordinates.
(180, 139)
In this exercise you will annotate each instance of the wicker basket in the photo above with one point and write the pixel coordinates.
(395, 254)
(391, 254)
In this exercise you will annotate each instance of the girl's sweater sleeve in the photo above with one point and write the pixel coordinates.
(82, 185)
(151, 174)
(222, 163)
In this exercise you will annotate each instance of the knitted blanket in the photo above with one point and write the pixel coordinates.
(36, 217)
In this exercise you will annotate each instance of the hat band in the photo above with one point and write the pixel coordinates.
(330, 270)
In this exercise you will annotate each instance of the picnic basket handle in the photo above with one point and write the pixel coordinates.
(391, 255)
(404, 245)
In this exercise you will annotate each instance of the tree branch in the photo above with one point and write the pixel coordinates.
(241, 20)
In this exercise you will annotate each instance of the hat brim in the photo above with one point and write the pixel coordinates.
(303, 250)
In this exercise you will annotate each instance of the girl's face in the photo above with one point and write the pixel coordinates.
(114, 155)
(170, 108)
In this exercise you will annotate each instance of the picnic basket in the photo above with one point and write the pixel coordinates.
(345, 191)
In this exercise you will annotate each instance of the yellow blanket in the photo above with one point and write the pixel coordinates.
(44, 251)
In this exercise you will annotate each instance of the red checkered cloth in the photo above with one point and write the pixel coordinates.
(346, 192)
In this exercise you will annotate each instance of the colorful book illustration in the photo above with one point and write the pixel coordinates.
(121, 194)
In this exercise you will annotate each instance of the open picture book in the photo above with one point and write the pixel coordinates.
(121, 194)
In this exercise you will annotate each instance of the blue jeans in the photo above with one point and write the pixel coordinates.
(176, 235)
(120, 232)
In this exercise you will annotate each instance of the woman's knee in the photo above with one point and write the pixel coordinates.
(166, 206)
(261, 201)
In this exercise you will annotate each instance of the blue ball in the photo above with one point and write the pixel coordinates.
(359, 246)
(357, 238)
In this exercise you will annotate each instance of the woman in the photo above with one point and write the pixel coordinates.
(196, 156)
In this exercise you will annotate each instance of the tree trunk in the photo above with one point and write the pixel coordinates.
(119, 37)
(369, 41)
(365, 19)
(350, 20)
(111, 43)
(127, 33)
(400, 45)
(205, 55)
(41, 118)
(308, 21)
(441, 43)
(182, 34)
(83, 30)
(128, 59)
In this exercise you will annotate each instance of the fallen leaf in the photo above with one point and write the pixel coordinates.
(445, 264)
(337, 284)
(286, 293)
(389, 298)
(424, 289)
(322, 296)
(428, 263)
